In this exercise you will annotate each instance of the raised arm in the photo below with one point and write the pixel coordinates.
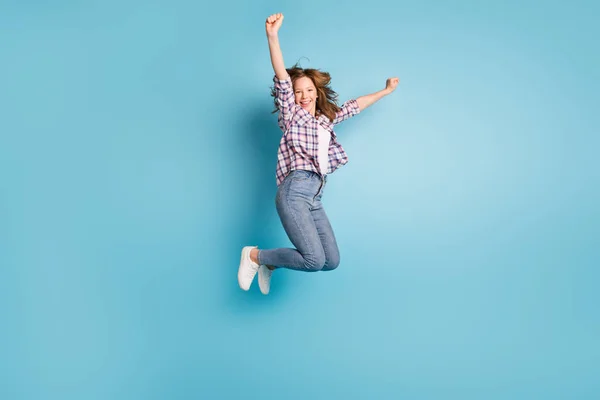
(370, 99)
(272, 26)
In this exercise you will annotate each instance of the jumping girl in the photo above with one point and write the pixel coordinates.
(308, 152)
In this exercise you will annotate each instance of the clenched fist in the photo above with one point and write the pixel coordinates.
(391, 84)
(274, 23)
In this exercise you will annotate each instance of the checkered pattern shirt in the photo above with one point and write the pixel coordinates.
(298, 146)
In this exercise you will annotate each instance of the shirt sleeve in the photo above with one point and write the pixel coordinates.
(284, 95)
(348, 109)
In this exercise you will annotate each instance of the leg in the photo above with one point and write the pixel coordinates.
(294, 202)
(328, 241)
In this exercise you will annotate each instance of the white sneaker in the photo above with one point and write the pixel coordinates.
(247, 270)
(264, 279)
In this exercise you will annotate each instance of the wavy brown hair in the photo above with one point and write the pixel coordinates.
(326, 97)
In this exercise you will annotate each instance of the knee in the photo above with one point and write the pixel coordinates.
(332, 263)
(314, 263)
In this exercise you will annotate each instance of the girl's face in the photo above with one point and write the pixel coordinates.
(306, 94)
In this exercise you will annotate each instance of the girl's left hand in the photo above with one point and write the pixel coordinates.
(391, 84)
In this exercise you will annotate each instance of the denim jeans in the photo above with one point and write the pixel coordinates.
(303, 217)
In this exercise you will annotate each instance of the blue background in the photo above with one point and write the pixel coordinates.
(137, 157)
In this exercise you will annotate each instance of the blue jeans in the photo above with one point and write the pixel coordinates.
(303, 217)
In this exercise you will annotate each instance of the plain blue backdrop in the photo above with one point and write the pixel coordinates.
(137, 157)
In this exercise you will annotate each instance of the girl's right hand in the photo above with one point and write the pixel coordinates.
(274, 23)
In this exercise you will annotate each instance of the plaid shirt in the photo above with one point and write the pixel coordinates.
(298, 146)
